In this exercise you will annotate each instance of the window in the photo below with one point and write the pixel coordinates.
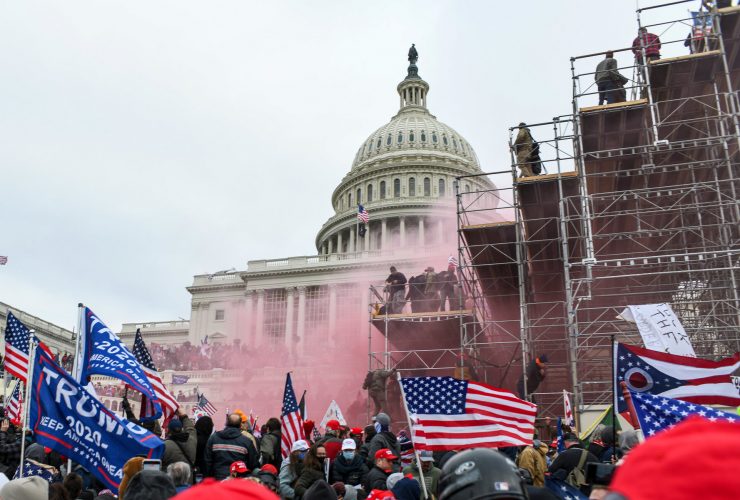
(349, 200)
(434, 137)
(467, 188)
(369, 193)
(411, 136)
(380, 141)
(412, 186)
(382, 190)
(427, 186)
(454, 143)
(397, 188)
(359, 196)
(369, 146)
(219, 314)
(274, 314)
(400, 137)
(444, 140)
(441, 187)
(423, 136)
(388, 141)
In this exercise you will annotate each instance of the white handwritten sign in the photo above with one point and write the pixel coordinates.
(660, 328)
(333, 413)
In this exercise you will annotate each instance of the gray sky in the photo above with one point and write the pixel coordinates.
(144, 142)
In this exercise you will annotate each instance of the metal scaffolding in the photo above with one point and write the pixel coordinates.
(638, 205)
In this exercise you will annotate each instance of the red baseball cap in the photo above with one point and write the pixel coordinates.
(385, 453)
(231, 490)
(356, 431)
(270, 469)
(238, 467)
(333, 425)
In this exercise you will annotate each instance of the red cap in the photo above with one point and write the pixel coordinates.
(308, 426)
(380, 495)
(238, 467)
(231, 490)
(385, 453)
(667, 465)
(356, 431)
(269, 468)
(333, 425)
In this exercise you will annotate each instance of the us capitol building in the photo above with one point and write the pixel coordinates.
(309, 314)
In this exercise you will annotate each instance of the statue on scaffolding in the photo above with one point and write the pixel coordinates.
(375, 385)
(535, 375)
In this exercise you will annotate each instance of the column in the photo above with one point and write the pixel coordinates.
(440, 232)
(421, 231)
(332, 313)
(300, 325)
(339, 242)
(289, 340)
(247, 336)
(259, 323)
(367, 237)
(402, 231)
(330, 243)
(383, 234)
(352, 231)
(237, 309)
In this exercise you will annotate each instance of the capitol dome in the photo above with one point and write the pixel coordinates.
(403, 174)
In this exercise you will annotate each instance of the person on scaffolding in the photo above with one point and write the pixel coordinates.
(651, 44)
(527, 152)
(447, 286)
(609, 81)
(396, 286)
(535, 375)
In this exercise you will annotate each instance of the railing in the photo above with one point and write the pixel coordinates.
(130, 328)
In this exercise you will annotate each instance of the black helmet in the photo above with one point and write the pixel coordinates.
(478, 474)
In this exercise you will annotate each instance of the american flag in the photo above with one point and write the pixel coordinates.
(362, 214)
(452, 261)
(17, 336)
(31, 468)
(206, 405)
(657, 413)
(3, 260)
(167, 400)
(452, 414)
(290, 418)
(13, 409)
(567, 410)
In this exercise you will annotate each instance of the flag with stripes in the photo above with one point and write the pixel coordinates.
(452, 261)
(166, 399)
(17, 337)
(290, 418)
(451, 414)
(13, 408)
(362, 214)
(567, 411)
(206, 405)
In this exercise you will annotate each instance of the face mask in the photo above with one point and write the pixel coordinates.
(349, 455)
(301, 455)
(377, 427)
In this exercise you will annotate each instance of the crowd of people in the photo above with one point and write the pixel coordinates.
(374, 462)
(429, 291)
(187, 356)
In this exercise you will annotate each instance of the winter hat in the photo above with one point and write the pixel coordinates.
(333, 425)
(320, 490)
(26, 488)
(175, 425)
(407, 489)
(150, 485)
(339, 488)
(227, 490)
(130, 469)
(392, 479)
(349, 444)
(383, 419)
(695, 459)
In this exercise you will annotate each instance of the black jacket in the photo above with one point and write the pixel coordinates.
(306, 479)
(568, 460)
(225, 447)
(350, 473)
(376, 479)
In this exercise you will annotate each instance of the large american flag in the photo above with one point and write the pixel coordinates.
(206, 405)
(3, 260)
(167, 400)
(290, 418)
(452, 414)
(17, 336)
(657, 413)
(13, 408)
(362, 214)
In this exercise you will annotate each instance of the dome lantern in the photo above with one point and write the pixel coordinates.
(413, 90)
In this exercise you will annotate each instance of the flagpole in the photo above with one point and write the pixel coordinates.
(411, 431)
(630, 405)
(26, 406)
(80, 328)
(614, 398)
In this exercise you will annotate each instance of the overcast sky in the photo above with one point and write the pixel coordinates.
(144, 142)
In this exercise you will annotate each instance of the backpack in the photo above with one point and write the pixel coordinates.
(577, 476)
(534, 158)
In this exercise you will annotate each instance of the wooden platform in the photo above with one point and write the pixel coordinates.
(614, 105)
(546, 177)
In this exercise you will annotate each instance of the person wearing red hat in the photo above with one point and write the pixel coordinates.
(695, 459)
(227, 490)
(238, 469)
(382, 468)
(331, 440)
(356, 434)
